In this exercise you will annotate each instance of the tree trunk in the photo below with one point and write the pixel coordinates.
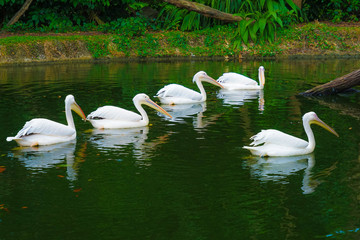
(298, 3)
(96, 18)
(205, 10)
(338, 85)
(19, 13)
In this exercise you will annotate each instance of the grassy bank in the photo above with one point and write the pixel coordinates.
(312, 39)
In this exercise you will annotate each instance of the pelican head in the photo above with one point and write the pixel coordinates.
(312, 118)
(202, 76)
(70, 101)
(142, 98)
(261, 76)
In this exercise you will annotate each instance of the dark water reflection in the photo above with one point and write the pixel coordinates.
(181, 178)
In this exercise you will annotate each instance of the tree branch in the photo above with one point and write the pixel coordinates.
(19, 13)
(205, 10)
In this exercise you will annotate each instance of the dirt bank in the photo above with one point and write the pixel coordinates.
(320, 40)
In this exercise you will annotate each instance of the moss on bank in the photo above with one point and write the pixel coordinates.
(303, 40)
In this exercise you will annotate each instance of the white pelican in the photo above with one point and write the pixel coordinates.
(178, 94)
(279, 144)
(41, 131)
(233, 81)
(114, 117)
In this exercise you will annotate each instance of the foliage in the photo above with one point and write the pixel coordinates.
(148, 46)
(98, 48)
(129, 26)
(320, 36)
(314, 38)
(178, 40)
(334, 10)
(261, 18)
(175, 18)
(67, 13)
(261, 23)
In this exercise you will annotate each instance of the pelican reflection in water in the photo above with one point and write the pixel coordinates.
(277, 169)
(119, 138)
(38, 159)
(110, 140)
(240, 97)
(182, 111)
(195, 112)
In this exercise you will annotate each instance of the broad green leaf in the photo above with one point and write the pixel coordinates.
(249, 21)
(245, 36)
(253, 32)
(270, 5)
(262, 2)
(276, 18)
(292, 5)
(271, 32)
(256, 26)
(242, 27)
(262, 25)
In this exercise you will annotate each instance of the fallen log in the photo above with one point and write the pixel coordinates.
(205, 10)
(338, 85)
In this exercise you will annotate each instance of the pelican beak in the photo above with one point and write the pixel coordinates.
(153, 105)
(211, 80)
(317, 121)
(76, 108)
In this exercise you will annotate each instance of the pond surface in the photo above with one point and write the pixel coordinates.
(181, 178)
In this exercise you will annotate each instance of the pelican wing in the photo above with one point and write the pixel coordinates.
(275, 137)
(178, 91)
(114, 113)
(45, 127)
(235, 78)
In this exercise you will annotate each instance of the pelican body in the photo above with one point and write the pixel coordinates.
(114, 117)
(279, 144)
(233, 81)
(41, 131)
(177, 94)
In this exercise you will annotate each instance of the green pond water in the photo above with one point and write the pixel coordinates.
(181, 178)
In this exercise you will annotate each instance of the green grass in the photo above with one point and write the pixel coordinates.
(313, 37)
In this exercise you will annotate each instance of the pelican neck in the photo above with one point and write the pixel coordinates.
(202, 90)
(142, 112)
(310, 135)
(69, 116)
